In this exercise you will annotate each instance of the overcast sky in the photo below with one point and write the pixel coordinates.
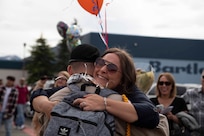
(23, 21)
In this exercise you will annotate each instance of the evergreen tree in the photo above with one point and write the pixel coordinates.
(41, 62)
(63, 55)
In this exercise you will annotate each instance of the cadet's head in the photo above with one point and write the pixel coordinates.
(82, 59)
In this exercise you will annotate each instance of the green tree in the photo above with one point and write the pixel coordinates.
(62, 55)
(41, 62)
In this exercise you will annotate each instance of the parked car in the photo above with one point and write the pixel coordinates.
(181, 89)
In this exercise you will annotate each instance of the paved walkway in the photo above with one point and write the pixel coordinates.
(27, 131)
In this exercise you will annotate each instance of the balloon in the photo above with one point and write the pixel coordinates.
(91, 6)
(73, 36)
(73, 43)
(73, 32)
(62, 28)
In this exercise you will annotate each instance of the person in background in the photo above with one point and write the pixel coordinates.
(23, 97)
(61, 79)
(195, 97)
(60, 82)
(8, 103)
(145, 79)
(166, 96)
(40, 83)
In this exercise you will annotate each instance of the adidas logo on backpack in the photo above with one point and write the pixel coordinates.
(63, 131)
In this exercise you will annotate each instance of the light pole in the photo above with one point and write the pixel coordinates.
(24, 47)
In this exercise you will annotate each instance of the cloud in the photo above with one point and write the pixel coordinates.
(23, 21)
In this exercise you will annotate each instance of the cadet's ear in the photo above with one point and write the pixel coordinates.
(69, 69)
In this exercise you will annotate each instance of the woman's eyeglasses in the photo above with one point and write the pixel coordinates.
(203, 77)
(110, 66)
(60, 77)
(166, 83)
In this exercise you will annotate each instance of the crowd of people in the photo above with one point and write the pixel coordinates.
(13, 99)
(114, 70)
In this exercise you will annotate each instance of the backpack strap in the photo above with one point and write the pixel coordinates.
(117, 97)
(59, 95)
(83, 87)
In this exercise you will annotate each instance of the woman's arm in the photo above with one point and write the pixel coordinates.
(94, 102)
(40, 92)
(141, 112)
(122, 110)
(148, 116)
(43, 105)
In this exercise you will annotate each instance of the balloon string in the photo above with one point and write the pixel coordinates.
(103, 40)
(69, 5)
(100, 21)
(106, 28)
(106, 34)
(101, 34)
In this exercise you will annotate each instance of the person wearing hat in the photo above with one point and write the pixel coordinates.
(8, 103)
(81, 61)
(108, 67)
(81, 65)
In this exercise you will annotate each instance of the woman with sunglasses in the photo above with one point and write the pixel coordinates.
(115, 70)
(166, 97)
(61, 79)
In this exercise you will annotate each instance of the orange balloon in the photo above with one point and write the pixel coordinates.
(92, 6)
